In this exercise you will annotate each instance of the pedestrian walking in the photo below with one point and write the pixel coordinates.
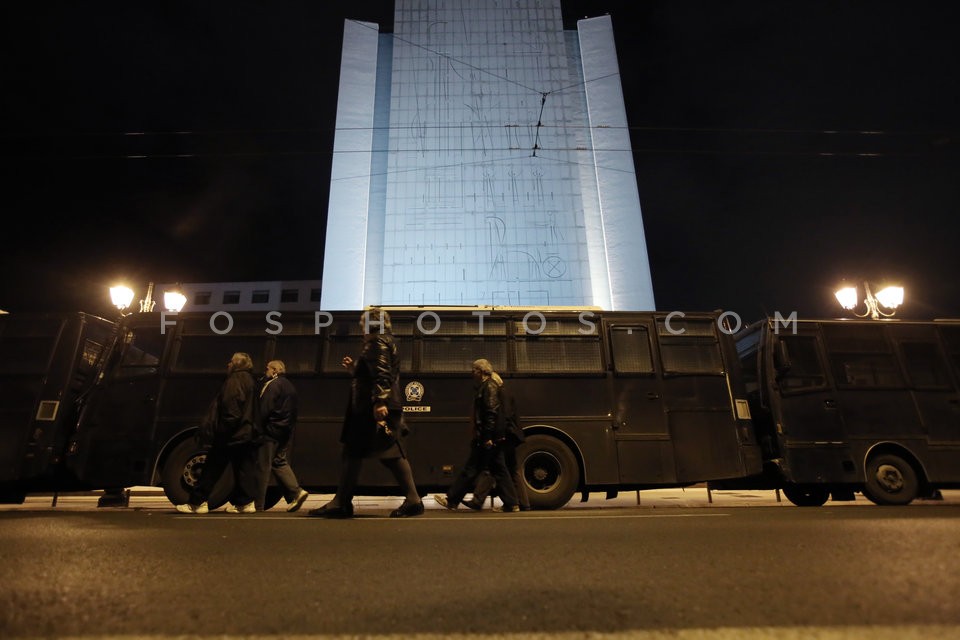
(486, 451)
(278, 418)
(230, 431)
(373, 426)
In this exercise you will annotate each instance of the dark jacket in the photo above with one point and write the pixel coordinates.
(376, 378)
(488, 418)
(237, 408)
(514, 431)
(278, 409)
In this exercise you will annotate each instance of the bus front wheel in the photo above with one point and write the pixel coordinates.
(550, 471)
(182, 471)
(806, 496)
(890, 480)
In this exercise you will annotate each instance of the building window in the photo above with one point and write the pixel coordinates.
(260, 297)
(201, 297)
(289, 295)
(231, 297)
(314, 295)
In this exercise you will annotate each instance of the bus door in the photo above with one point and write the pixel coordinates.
(112, 444)
(806, 412)
(698, 399)
(638, 419)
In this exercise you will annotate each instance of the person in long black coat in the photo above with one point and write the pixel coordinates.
(373, 425)
(230, 431)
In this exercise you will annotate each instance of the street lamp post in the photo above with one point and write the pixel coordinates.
(889, 297)
(122, 297)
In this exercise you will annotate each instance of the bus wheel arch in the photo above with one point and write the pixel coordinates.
(552, 467)
(181, 468)
(892, 475)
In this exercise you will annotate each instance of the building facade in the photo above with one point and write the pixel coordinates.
(482, 156)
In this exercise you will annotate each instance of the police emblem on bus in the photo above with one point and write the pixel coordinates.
(414, 392)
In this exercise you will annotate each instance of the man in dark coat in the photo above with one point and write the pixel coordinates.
(233, 436)
(278, 417)
(373, 426)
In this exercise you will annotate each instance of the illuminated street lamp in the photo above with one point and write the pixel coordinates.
(174, 300)
(887, 298)
(122, 297)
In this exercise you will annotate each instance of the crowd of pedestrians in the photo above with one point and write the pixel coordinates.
(249, 427)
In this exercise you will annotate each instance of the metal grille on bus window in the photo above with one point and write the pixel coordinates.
(558, 355)
(680, 327)
(555, 327)
(300, 353)
(467, 327)
(631, 350)
(284, 327)
(211, 354)
(222, 324)
(337, 348)
(455, 355)
(691, 355)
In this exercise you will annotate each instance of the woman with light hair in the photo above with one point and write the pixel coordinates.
(486, 452)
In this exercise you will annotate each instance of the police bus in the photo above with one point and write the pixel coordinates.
(849, 405)
(609, 401)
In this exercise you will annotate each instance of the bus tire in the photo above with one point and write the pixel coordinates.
(550, 471)
(806, 496)
(182, 471)
(890, 480)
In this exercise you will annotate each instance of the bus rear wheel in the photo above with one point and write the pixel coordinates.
(806, 496)
(550, 471)
(182, 471)
(890, 480)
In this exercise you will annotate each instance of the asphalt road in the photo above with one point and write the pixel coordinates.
(604, 571)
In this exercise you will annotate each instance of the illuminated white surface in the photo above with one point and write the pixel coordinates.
(438, 194)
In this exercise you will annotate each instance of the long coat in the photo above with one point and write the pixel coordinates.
(376, 378)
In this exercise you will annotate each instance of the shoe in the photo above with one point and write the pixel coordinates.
(298, 501)
(526, 507)
(246, 508)
(408, 510)
(332, 511)
(186, 507)
(444, 502)
(511, 509)
(473, 504)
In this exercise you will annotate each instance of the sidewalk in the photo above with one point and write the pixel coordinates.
(697, 496)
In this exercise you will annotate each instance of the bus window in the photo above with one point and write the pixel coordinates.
(924, 365)
(631, 350)
(689, 346)
(142, 353)
(559, 347)
(806, 371)
(454, 355)
(952, 337)
(210, 354)
(300, 354)
(860, 356)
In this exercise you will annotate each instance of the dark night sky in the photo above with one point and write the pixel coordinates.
(779, 146)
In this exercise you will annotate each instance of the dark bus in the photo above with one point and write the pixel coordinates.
(609, 400)
(49, 363)
(846, 405)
